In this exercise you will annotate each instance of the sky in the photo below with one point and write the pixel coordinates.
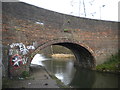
(95, 9)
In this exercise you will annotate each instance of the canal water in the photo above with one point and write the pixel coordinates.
(64, 70)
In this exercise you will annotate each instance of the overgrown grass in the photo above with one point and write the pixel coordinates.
(112, 64)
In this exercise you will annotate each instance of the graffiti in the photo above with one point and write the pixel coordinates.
(30, 47)
(16, 61)
(18, 53)
(21, 47)
(40, 23)
(10, 51)
(24, 60)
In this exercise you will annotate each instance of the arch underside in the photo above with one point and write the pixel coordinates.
(84, 57)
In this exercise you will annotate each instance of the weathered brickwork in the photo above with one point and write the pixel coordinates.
(30, 25)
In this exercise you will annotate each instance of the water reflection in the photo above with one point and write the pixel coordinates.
(64, 70)
(80, 78)
(37, 60)
(106, 80)
(83, 79)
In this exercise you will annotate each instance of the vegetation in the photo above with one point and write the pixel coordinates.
(111, 65)
(25, 74)
(66, 30)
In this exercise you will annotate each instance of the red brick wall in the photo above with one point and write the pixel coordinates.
(19, 26)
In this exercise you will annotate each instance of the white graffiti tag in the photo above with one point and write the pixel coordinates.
(17, 60)
(30, 47)
(22, 48)
(19, 52)
(24, 60)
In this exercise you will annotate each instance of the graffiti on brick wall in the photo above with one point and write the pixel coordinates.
(18, 54)
(16, 60)
(20, 47)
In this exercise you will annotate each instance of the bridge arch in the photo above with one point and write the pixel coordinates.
(83, 54)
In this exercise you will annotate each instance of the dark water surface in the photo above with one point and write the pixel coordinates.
(64, 70)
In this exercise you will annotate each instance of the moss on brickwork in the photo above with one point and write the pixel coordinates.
(111, 65)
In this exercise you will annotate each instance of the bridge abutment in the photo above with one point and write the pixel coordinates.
(24, 24)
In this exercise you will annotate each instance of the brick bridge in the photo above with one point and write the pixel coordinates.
(28, 29)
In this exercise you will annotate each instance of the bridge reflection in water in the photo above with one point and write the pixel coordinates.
(63, 69)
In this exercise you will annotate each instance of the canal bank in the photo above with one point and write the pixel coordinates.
(112, 65)
(39, 78)
(61, 73)
(42, 78)
(76, 77)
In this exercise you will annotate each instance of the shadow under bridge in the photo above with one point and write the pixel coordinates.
(84, 58)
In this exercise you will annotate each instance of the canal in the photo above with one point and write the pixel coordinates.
(64, 70)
